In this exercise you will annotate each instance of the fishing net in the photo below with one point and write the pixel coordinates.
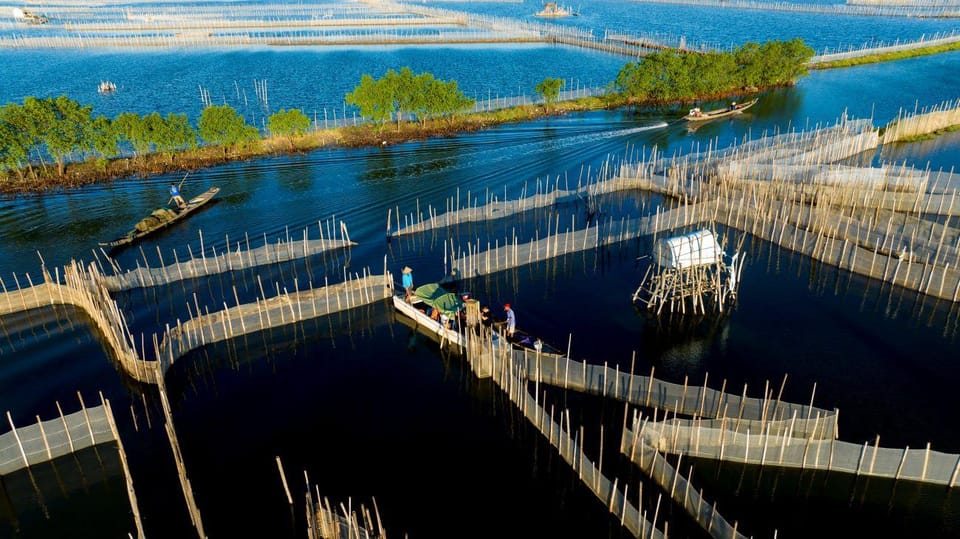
(157, 217)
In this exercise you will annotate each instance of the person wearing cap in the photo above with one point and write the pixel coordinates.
(408, 282)
(511, 320)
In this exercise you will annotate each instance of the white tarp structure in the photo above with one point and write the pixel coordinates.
(698, 248)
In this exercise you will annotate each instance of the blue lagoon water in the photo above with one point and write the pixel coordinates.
(366, 407)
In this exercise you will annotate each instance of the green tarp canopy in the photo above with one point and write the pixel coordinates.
(438, 297)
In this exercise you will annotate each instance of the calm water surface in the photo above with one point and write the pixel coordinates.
(369, 409)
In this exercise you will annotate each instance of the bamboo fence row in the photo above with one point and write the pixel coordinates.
(283, 308)
(513, 371)
(87, 288)
(927, 120)
(786, 189)
(236, 256)
(26, 447)
(783, 443)
(832, 9)
(685, 399)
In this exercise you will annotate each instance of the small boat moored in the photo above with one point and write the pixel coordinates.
(433, 298)
(440, 314)
(696, 115)
(161, 218)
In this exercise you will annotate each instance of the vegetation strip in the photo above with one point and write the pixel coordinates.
(887, 56)
(87, 149)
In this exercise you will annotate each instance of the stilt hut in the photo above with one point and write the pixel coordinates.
(691, 273)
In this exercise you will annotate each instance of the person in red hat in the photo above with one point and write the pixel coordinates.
(511, 320)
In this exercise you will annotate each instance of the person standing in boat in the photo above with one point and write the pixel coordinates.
(511, 320)
(407, 282)
(486, 321)
(176, 198)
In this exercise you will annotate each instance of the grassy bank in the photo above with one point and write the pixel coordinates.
(887, 56)
(41, 178)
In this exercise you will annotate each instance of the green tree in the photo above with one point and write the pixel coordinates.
(749, 69)
(134, 129)
(221, 125)
(104, 139)
(68, 132)
(288, 123)
(451, 101)
(374, 98)
(405, 88)
(173, 133)
(549, 89)
(16, 139)
(667, 76)
(38, 118)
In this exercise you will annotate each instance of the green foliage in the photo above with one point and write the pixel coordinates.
(404, 86)
(173, 133)
(549, 89)
(406, 93)
(67, 128)
(374, 98)
(288, 123)
(669, 76)
(15, 137)
(134, 129)
(221, 125)
(104, 138)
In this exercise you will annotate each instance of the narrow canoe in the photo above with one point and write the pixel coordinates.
(720, 113)
(193, 205)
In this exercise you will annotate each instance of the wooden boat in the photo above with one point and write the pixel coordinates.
(522, 340)
(696, 116)
(427, 297)
(193, 205)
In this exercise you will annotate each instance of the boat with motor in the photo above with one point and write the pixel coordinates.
(696, 115)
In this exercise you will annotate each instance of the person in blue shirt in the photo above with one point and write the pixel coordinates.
(408, 282)
(511, 320)
(176, 198)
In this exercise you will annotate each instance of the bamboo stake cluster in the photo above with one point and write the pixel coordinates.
(286, 307)
(928, 120)
(326, 521)
(786, 189)
(510, 376)
(236, 256)
(872, 10)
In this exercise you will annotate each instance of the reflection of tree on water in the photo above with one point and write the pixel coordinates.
(426, 160)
